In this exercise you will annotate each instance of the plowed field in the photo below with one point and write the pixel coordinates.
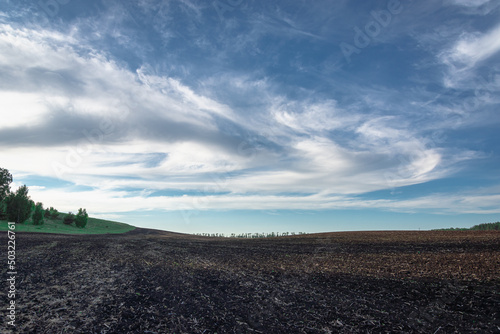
(148, 281)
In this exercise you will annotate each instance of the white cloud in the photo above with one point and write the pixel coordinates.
(311, 117)
(468, 3)
(105, 203)
(47, 64)
(24, 108)
(473, 48)
(475, 7)
(102, 123)
(469, 52)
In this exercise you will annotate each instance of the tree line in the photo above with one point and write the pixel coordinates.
(479, 227)
(18, 206)
(486, 227)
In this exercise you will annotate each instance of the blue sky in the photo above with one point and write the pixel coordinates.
(255, 116)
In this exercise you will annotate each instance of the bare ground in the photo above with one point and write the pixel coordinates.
(148, 281)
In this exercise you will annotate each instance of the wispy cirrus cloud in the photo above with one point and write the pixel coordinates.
(475, 7)
(128, 201)
(471, 49)
(145, 107)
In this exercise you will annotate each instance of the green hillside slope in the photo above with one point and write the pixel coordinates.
(94, 226)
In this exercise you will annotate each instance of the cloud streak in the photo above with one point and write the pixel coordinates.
(471, 49)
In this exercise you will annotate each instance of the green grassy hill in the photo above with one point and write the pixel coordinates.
(94, 226)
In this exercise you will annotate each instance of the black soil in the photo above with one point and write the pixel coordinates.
(148, 281)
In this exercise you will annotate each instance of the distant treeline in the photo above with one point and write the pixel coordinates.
(479, 227)
(486, 227)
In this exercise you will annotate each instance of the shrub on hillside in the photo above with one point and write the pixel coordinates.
(54, 214)
(69, 219)
(81, 218)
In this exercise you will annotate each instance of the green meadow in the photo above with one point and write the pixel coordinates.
(94, 226)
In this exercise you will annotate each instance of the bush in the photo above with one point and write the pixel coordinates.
(81, 218)
(46, 214)
(19, 205)
(53, 213)
(38, 214)
(69, 219)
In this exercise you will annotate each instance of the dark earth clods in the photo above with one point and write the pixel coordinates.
(148, 281)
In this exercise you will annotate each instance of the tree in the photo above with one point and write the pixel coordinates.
(54, 213)
(81, 218)
(69, 219)
(38, 214)
(19, 205)
(46, 214)
(5, 181)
